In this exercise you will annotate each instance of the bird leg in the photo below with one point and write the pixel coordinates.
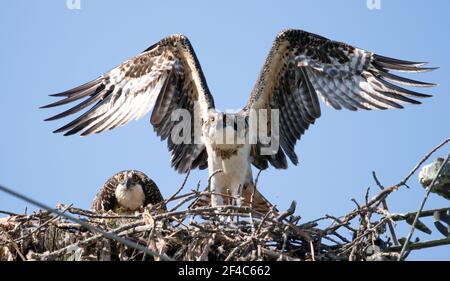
(237, 196)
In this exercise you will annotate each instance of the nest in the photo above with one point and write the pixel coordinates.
(222, 233)
(225, 233)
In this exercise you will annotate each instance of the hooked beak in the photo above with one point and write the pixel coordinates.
(127, 183)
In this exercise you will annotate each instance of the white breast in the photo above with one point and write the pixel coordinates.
(131, 198)
(236, 171)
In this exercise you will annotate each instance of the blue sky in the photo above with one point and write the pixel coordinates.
(47, 48)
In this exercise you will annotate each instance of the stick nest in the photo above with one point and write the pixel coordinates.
(226, 233)
(221, 233)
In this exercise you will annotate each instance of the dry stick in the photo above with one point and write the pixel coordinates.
(264, 219)
(182, 202)
(385, 192)
(356, 203)
(255, 187)
(87, 241)
(195, 194)
(174, 196)
(8, 213)
(332, 240)
(422, 245)
(427, 213)
(343, 239)
(82, 223)
(288, 212)
(42, 225)
(240, 247)
(181, 187)
(422, 204)
(424, 159)
(192, 195)
(257, 177)
(364, 234)
(93, 215)
(345, 224)
(380, 196)
(208, 189)
(207, 248)
(150, 238)
(212, 175)
(15, 247)
(251, 200)
(210, 210)
(385, 206)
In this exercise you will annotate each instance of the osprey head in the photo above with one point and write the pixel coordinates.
(129, 192)
(128, 179)
(225, 129)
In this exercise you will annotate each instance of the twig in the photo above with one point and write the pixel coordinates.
(84, 224)
(93, 215)
(427, 213)
(364, 208)
(180, 188)
(16, 248)
(213, 175)
(81, 243)
(8, 213)
(240, 247)
(42, 225)
(257, 177)
(385, 206)
(422, 245)
(422, 204)
(288, 212)
(423, 160)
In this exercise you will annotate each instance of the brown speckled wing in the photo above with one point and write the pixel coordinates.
(105, 199)
(151, 190)
(165, 77)
(301, 67)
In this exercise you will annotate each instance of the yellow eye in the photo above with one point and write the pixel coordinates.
(212, 119)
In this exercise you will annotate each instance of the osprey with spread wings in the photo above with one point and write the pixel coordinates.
(300, 68)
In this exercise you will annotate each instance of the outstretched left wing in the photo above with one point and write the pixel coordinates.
(165, 77)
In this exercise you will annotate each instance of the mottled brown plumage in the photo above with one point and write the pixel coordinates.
(106, 199)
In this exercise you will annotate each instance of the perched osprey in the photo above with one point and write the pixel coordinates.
(300, 68)
(129, 190)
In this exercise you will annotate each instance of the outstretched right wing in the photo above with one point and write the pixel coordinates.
(301, 67)
(165, 77)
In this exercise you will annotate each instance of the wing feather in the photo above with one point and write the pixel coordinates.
(105, 199)
(301, 67)
(165, 77)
